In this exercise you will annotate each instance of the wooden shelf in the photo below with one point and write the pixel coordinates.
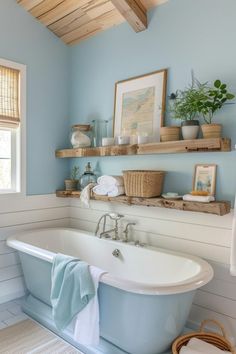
(218, 208)
(172, 147)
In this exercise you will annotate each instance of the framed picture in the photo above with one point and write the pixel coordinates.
(140, 105)
(205, 178)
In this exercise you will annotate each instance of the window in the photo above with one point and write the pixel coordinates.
(12, 127)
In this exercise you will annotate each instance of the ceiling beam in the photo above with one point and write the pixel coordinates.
(134, 12)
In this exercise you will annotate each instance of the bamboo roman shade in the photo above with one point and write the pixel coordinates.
(9, 97)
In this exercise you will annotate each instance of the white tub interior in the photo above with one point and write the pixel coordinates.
(149, 267)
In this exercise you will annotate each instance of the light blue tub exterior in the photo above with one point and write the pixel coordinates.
(129, 322)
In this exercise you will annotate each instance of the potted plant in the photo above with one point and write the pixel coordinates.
(213, 99)
(72, 183)
(185, 107)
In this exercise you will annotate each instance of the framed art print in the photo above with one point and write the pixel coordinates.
(140, 105)
(205, 179)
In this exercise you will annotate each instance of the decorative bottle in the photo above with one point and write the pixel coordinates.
(87, 177)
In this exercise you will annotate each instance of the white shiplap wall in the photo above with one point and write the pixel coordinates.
(207, 236)
(20, 214)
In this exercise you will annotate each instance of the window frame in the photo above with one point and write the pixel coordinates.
(18, 139)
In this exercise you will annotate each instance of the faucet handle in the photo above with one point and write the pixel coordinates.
(126, 230)
(115, 216)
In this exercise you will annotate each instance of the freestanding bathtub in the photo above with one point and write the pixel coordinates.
(144, 298)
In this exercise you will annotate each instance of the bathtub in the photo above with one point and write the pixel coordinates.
(144, 298)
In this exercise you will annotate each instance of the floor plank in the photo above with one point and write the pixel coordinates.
(29, 337)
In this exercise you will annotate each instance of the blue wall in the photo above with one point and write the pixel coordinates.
(24, 40)
(182, 35)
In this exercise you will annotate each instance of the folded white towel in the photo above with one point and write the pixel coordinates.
(111, 180)
(203, 347)
(86, 329)
(110, 190)
(198, 198)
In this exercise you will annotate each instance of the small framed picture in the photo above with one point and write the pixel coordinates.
(140, 105)
(205, 178)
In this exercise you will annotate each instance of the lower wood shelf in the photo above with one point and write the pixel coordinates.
(218, 208)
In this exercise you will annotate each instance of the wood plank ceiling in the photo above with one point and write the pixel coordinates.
(76, 20)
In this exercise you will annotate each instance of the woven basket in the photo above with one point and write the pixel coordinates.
(144, 184)
(220, 341)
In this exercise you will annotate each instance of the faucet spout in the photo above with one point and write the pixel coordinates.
(103, 217)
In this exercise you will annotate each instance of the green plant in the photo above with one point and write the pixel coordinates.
(185, 103)
(74, 172)
(213, 99)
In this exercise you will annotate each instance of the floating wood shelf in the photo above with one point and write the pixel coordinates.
(218, 208)
(172, 147)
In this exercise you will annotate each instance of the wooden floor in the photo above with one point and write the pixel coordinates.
(29, 337)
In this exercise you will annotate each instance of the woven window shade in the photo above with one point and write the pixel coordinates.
(9, 97)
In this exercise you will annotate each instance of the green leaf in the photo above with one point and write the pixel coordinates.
(223, 86)
(229, 96)
(217, 83)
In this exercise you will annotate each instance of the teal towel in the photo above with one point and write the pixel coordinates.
(72, 288)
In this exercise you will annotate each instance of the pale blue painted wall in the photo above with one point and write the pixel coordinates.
(182, 35)
(24, 40)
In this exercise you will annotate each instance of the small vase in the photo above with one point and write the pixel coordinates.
(211, 130)
(190, 129)
(170, 133)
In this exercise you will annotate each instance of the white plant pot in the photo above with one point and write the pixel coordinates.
(190, 132)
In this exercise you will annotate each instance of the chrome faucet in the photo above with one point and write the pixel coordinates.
(113, 216)
(126, 231)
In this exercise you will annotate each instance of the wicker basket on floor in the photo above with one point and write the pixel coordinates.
(143, 183)
(220, 341)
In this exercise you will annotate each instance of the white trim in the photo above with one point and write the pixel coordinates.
(14, 160)
(20, 136)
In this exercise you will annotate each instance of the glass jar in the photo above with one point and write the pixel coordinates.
(81, 136)
(99, 131)
(87, 177)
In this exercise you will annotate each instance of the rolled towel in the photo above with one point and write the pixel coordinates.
(101, 189)
(111, 180)
(111, 191)
(198, 198)
(115, 191)
(203, 347)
